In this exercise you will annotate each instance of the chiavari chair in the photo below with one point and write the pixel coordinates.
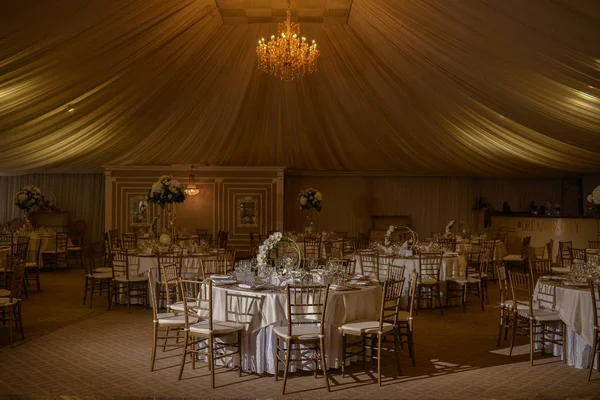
(52, 258)
(468, 282)
(578, 255)
(519, 260)
(94, 280)
(372, 334)
(306, 310)
(126, 281)
(533, 322)
(448, 244)
(208, 336)
(113, 235)
(206, 238)
(129, 241)
(594, 244)
(369, 264)
(595, 291)
(405, 318)
(312, 248)
(428, 286)
(384, 262)
(540, 267)
(10, 306)
(564, 254)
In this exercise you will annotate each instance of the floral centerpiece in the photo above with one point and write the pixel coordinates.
(448, 230)
(411, 241)
(29, 198)
(166, 190)
(462, 227)
(310, 199)
(270, 243)
(594, 198)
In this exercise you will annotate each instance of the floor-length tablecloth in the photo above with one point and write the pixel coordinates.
(574, 306)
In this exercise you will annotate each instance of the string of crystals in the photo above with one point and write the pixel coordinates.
(288, 56)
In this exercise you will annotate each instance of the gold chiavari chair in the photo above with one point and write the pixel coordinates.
(95, 281)
(206, 337)
(306, 310)
(540, 267)
(205, 238)
(227, 258)
(532, 322)
(32, 268)
(428, 286)
(578, 255)
(347, 246)
(6, 239)
(361, 242)
(52, 258)
(373, 333)
(212, 266)
(164, 324)
(594, 244)
(506, 305)
(595, 291)
(113, 235)
(448, 244)
(170, 274)
(312, 248)
(519, 260)
(369, 264)
(384, 262)
(564, 254)
(394, 272)
(129, 241)
(165, 291)
(126, 282)
(469, 282)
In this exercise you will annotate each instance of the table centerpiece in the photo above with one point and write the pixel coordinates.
(311, 201)
(28, 199)
(594, 198)
(167, 191)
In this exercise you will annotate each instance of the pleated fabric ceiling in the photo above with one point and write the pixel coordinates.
(418, 87)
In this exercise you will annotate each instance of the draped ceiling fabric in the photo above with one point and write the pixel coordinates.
(418, 87)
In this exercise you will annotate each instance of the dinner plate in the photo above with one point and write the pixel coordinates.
(217, 276)
(359, 283)
(221, 282)
(251, 286)
(338, 287)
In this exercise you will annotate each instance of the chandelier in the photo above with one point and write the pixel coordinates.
(191, 189)
(288, 56)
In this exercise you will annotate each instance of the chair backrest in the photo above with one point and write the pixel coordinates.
(153, 297)
(369, 264)
(525, 247)
(226, 260)
(564, 253)
(595, 291)
(348, 267)
(163, 259)
(113, 235)
(255, 241)
(348, 246)
(476, 266)
(594, 244)
(312, 248)
(328, 249)
(62, 241)
(306, 305)
(211, 265)
(16, 283)
(197, 300)
(107, 244)
(503, 285)
(222, 239)
(448, 244)
(170, 276)
(6, 238)
(578, 255)
(19, 247)
(390, 302)
(129, 241)
(78, 232)
(520, 285)
(120, 264)
(536, 253)
(394, 272)
(412, 291)
(201, 231)
(549, 248)
(429, 266)
(488, 247)
(205, 237)
(384, 262)
(362, 241)
(540, 267)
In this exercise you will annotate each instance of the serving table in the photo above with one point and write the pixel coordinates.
(574, 306)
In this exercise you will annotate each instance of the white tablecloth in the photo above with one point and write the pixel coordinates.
(259, 312)
(574, 306)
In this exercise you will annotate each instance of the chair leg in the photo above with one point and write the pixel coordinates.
(239, 354)
(594, 352)
(514, 334)
(154, 343)
(343, 354)
(288, 353)
(211, 360)
(128, 297)
(417, 300)
(185, 347)
(10, 326)
(502, 327)
(397, 353)
(464, 298)
(276, 358)
(92, 292)
(37, 278)
(481, 294)
(411, 347)
(323, 362)
(85, 290)
(109, 286)
(379, 343)
(439, 293)
(564, 342)
(531, 342)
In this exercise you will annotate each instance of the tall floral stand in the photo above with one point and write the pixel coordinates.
(311, 222)
(27, 226)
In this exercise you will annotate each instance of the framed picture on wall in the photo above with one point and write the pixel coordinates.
(247, 212)
(139, 212)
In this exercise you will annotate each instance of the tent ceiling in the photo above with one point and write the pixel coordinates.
(433, 87)
(267, 11)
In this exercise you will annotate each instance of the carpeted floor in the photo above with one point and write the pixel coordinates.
(72, 352)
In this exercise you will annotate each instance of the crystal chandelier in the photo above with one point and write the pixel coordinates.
(288, 56)
(191, 189)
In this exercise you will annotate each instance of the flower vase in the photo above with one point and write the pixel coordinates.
(596, 211)
(311, 222)
(27, 226)
(172, 220)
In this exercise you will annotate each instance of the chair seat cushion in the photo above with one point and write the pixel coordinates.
(100, 275)
(4, 292)
(131, 278)
(219, 327)
(300, 332)
(429, 281)
(179, 306)
(174, 319)
(5, 301)
(462, 280)
(541, 315)
(513, 257)
(365, 327)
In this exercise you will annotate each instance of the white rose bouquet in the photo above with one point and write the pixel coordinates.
(270, 243)
(411, 237)
(594, 198)
(29, 198)
(310, 198)
(166, 190)
(449, 226)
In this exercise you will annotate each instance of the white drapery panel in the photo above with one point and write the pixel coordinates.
(82, 195)
(349, 202)
(431, 87)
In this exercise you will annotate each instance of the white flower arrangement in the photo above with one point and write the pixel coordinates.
(269, 244)
(29, 198)
(412, 241)
(594, 198)
(310, 198)
(166, 190)
(462, 226)
(449, 226)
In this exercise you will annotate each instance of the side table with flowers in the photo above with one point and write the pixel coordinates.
(311, 201)
(167, 190)
(28, 199)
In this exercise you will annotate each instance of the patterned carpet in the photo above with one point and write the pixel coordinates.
(72, 352)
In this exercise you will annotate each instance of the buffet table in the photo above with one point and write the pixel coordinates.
(574, 306)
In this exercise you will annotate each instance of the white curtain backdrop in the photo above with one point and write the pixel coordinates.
(503, 88)
(82, 195)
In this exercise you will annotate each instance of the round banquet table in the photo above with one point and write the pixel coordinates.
(260, 311)
(574, 306)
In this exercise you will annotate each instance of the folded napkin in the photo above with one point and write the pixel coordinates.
(250, 286)
(217, 276)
